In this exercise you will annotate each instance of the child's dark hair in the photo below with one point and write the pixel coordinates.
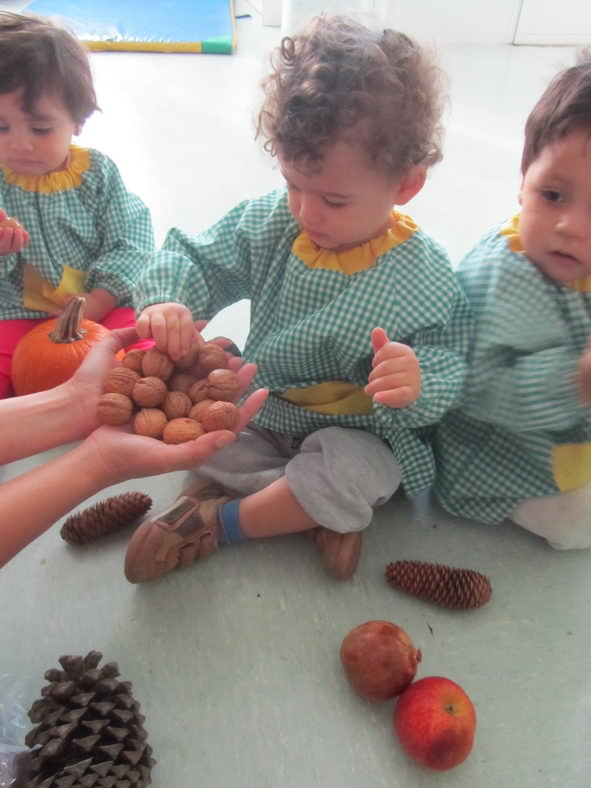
(336, 74)
(41, 58)
(564, 105)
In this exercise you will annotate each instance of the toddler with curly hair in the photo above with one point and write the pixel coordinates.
(350, 301)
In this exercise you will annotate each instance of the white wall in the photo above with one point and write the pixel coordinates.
(453, 21)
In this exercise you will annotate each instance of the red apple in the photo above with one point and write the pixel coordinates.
(379, 659)
(435, 722)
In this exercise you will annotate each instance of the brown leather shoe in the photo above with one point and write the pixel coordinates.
(176, 537)
(340, 552)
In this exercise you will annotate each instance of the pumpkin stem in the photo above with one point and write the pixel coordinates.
(67, 328)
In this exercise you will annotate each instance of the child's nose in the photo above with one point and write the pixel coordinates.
(574, 221)
(21, 142)
(309, 211)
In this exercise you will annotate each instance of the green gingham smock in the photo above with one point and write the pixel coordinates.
(521, 431)
(311, 324)
(81, 218)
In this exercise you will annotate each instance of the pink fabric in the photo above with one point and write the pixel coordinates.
(12, 331)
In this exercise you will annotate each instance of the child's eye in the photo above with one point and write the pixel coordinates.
(551, 195)
(41, 131)
(332, 204)
(3, 129)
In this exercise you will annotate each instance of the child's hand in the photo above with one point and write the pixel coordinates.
(395, 379)
(584, 374)
(13, 236)
(171, 326)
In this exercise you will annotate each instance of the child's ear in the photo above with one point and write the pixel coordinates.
(411, 184)
(78, 128)
(520, 193)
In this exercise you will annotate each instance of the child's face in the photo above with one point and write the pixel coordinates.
(555, 197)
(35, 144)
(346, 203)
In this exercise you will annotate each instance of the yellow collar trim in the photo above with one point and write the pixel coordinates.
(511, 232)
(361, 257)
(57, 181)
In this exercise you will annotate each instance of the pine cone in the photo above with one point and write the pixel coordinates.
(460, 589)
(105, 517)
(90, 731)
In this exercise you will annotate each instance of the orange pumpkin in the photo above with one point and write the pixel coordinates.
(52, 351)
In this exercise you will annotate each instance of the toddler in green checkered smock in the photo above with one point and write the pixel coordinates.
(520, 445)
(68, 225)
(350, 302)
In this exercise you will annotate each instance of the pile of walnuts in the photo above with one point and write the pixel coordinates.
(174, 401)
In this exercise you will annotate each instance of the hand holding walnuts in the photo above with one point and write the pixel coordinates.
(171, 401)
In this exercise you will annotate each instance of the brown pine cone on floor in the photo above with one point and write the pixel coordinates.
(105, 517)
(459, 589)
(88, 730)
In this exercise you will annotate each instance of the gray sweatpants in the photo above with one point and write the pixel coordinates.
(337, 475)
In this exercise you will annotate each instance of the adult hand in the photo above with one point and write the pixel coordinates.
(115, 454)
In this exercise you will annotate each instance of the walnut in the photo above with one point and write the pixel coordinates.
(180, 381)
(199, 409)
(211, 356)
(223, 384)
(182, 430)
(190, 358)
(199, 390)
(157, 364)
(114, 408)
(176, 405)
(133, 360)
(120, 380)
(220, 416)
(149, 392)
(150, 422)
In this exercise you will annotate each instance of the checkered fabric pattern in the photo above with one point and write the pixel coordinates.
(527, 338)
(97, 226)
(311, 325)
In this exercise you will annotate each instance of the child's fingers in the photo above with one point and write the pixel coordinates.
(158, 331)
(142, 326)
(394, 380)
(174, 337)
(378, 339)
(187, 334)
(396, 365)
(396, 398)
(392, 351)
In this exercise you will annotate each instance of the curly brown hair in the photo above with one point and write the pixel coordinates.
(564, 105)
(337, 74)
(39, 58)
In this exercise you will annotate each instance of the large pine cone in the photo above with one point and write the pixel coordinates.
(105, 517)
(90, 731)
(460, 589)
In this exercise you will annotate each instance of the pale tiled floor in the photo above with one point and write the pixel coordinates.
(235, 661)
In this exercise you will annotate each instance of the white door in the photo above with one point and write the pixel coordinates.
(554, 23)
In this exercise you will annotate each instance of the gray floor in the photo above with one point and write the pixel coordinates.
(235, 661)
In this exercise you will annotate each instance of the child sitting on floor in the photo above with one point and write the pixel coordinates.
(79, 230)
(349, 302)
(520, 445)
